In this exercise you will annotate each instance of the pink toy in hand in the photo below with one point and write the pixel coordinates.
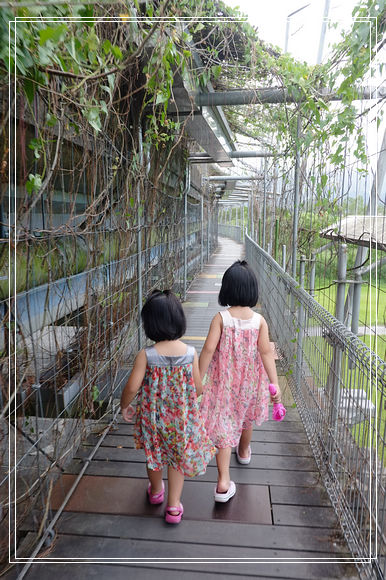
(279, 411)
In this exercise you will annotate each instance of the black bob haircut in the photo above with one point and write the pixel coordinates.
(239, 286)
(163, 317)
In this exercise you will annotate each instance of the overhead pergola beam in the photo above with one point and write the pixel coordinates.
(274, 95)
(234, 155)
(233, 178)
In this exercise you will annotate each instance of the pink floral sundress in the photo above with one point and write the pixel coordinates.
(168, 423)
(236, 391)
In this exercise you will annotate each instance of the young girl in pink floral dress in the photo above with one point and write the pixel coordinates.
(168, 423)
(238, 361)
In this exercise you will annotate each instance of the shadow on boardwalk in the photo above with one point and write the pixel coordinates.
(280, 524)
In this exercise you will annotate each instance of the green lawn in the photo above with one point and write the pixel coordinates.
(373, 305)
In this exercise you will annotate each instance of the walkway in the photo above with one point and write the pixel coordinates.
(279, 525)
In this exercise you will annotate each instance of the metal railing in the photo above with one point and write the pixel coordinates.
(339, 388)
(234, 232)
(75, 338)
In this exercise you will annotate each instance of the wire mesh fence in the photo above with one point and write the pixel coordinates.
(81, 263)
(339, 386)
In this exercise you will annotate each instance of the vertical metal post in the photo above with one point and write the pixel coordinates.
(243, 234)
(296, 201)
(323, 31)
(139, 243)
(187, 187)
(299, 346)
(336, 363)
(264, 203)
(284, 256)
(252, 219)
(276, 240)
(356, 303)
(341, 284)
(208, 236)
(312, 274)
(202, 233)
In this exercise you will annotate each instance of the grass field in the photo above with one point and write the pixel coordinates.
(372, 311)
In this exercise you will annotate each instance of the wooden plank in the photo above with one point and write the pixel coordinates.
(120, 453)
(300, 495)
(292, 415)
(247, 476)
(233, 534)
(324, 566)
(310, 516)
(117, 572)
(259, 448)
(258, 435)
(123, 495)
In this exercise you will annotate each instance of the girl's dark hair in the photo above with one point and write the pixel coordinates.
(163, 317)
(239, 286)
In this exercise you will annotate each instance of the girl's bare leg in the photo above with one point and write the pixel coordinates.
(175, 485)
(245, 441)
(155, 478)
(223, 459)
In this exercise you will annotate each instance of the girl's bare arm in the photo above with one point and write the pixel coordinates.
(196, 375)
(133, 383)
(266, 353)
(211, 343)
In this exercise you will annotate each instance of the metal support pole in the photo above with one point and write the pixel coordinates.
(208, 240)
(139, 244)
(296, 201)
(341, 282)
(323, 31)
(312, 273)
(264, 203)
(276, 240)
(243, 233)
(284, 256)
(187, 187)
(252, 221)
(202, 234)
(356, 303)
(336, 364)
(299, 346)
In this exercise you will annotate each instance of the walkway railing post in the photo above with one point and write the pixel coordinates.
(139, 245)
(336, 364)
(186, 191)
(243, 233)
(312, 274)
(202, 234)
(264, 204)
(356, 302)
(296, 201)
(283, 256)
(208, 235)
(299, 348)
(276, 240)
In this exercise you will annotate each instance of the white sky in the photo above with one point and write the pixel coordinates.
(270, 16)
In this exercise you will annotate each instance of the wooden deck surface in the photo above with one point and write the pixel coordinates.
(280, 524)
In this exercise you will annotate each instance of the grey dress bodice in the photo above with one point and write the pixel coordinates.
(159, 360)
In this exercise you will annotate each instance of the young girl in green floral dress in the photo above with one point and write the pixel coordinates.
(168, 423)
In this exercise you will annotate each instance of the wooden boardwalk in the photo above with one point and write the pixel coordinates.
(280, 524)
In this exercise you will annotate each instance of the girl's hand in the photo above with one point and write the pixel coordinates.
(128, 413)
(277, 397)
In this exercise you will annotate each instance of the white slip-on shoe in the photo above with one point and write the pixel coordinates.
(226, 496)
(244, 460)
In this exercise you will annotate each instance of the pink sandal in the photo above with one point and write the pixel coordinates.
(171, 518)
(155, 498)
